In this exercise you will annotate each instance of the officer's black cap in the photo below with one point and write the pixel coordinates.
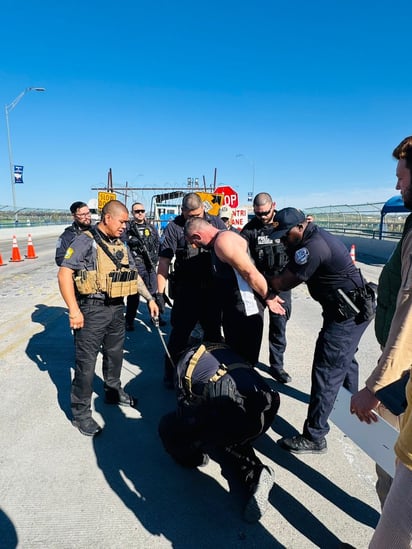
(286, 219)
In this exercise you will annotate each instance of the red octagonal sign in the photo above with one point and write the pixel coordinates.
(230, 196)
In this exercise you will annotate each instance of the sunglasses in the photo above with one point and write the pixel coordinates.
(262, 214)
(139, 211)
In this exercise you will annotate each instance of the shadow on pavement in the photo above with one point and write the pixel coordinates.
(52, 350)
(293, 511)
(8, 534)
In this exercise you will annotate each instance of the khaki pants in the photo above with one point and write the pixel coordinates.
(394, 529)
(384, 480)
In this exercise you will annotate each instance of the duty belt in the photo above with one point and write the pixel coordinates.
(104, 300)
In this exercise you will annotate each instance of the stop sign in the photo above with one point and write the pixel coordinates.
(230, 196)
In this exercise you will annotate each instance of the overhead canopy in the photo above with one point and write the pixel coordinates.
(394, 204)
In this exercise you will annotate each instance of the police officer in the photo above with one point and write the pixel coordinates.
(143, 240)
(223, 405)
(323, 262)
(191, 283)
(270, 257)
(94, 277)
(81, 222)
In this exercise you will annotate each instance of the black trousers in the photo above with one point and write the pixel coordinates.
(103, 330)
(277, 332)
(220, 427)
(192, 305)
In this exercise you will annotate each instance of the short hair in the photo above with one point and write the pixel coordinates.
(195, 224)
(136, 203)
(404, 151)
(191, 201)
(76, 206)
(261, 199)
(112, 207)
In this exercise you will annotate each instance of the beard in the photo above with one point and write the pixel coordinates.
(407, 198)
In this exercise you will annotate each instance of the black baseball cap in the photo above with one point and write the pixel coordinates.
(286, 219)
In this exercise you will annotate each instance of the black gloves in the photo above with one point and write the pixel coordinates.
(160, 300)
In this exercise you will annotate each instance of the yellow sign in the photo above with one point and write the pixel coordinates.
(103, 198)
(211, 202)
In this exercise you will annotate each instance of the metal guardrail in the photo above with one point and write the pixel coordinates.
(368, 233)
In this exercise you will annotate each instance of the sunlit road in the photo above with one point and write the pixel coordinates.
(60, 489)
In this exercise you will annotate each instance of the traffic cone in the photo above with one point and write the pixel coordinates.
(1, 261)
(31, 253)
(15, 252)
(352, 252)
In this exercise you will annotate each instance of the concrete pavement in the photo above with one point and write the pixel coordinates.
(59, 489)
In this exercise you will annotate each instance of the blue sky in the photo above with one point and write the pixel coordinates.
(314, 95)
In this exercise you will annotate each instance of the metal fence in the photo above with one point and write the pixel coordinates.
(355, 219)
(358, 219)
(33, 217)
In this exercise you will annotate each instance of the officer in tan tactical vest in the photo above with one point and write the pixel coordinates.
(96, 274)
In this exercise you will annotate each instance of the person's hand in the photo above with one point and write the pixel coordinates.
(153, 308)
(362, 404)
(275, 305)
(76, 320)
(160, 300)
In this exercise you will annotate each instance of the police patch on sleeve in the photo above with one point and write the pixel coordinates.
(69, 253)
(302, 256)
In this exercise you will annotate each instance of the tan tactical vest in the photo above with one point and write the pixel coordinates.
(107, 278)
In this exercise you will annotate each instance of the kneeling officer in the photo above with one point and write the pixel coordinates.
(223, 404)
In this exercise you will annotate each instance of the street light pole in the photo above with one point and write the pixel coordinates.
(240, 155)
(8, 108)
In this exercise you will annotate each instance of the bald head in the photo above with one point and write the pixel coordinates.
(114, 218)
(114, 207)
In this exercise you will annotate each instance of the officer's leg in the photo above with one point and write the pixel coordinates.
(179, 439)
(210, 315)
(335, 348)
(87, 345)
(243, 333)
(151, 281)
(277, 339)
(183, 319)
(351, 381)
(131, 310)
(233, 434)
(113, 344)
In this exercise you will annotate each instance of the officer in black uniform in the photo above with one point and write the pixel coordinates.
(96, 273)
(323, 262)
(270, 257)
(223, 405)
(143, 240)
(191, 284)
(81, 222)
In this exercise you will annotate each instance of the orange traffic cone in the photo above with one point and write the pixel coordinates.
(352, 252)
(15, 252)
(1, 261)
(31, 253)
